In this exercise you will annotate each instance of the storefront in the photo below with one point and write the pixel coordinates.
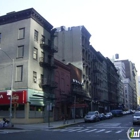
(25, 107)
(19, 101)
(79, 109)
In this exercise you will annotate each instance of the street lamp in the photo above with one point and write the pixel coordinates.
(10, 115)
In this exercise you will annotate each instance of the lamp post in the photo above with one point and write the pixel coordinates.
(10, 115)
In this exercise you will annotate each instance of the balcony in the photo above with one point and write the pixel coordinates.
(47, 64)
(49, 47)
(44, 45)
(79, 91)
(54, 49)
(44, 82)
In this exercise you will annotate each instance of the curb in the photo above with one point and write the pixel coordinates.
(11, 128)
(66, 125)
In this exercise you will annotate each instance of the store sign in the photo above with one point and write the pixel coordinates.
(19, 97)
(1, 96)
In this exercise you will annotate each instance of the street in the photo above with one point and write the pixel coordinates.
(111, 129)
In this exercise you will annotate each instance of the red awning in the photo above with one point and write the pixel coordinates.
(79, 105)
(19, 97)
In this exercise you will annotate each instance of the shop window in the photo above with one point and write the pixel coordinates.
(36, 111)
(36, 108)
(20, 107)
(4, 107)
(4, 110)
(20, 111)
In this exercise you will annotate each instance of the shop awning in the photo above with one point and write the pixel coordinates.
(79, 105)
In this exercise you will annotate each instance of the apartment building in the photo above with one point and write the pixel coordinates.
(113, 81)
(26, 38)
(74, 47)
(120, 66)
(128, 90)
(131, 73)
(73, 44)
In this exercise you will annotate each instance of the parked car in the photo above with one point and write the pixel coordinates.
(92, 116)
(136, 118)
(102, 116)
(109, 115)
(117, 112)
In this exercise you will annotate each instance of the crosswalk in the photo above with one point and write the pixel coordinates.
(88, 130)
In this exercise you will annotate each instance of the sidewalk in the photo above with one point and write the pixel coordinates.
(51, 125)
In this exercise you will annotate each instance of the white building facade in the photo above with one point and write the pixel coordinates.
(26, 37)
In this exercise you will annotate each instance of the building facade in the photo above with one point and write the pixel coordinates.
(62, 92)
(113, 81)
(29, 44)
(120, 66)
(74, 47)
(73, 44)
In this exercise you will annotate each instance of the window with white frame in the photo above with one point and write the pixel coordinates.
(34, 77)
(21, 33)
(43, 56)
(20, 51)
(35, 53)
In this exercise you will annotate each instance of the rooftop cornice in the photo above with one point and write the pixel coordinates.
(25, 14)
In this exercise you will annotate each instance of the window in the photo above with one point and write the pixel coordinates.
(43, 39)
(19, 73)
(34, 77)
(20, 51)
(0, 37)
(21, 33)
(36, 35)
(42, 78)
(35, 53)
(43, 56)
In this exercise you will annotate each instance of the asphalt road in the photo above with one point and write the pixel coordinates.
(112, 129)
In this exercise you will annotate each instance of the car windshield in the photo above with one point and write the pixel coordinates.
(137, 114)
(91, 113)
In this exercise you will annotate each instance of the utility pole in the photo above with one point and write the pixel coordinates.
(74, 107)
(12, 75)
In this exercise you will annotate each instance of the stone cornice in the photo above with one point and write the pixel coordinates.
(25, 14)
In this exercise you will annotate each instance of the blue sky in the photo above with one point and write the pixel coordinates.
(114, 24)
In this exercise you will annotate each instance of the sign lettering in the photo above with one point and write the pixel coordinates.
(1, 96)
